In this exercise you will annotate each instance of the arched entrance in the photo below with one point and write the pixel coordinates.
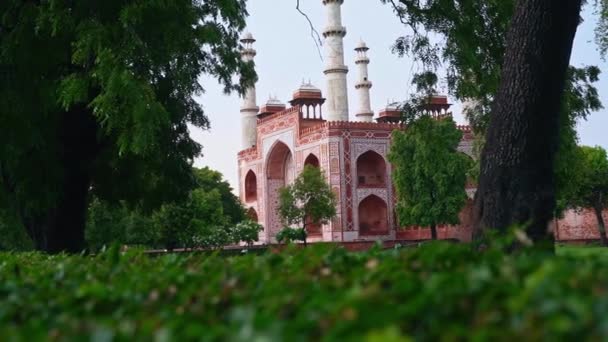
(371, 170)
(313, 229)
(251, 187)
(279, 172)
(373, 218)
(252, 215)
(312, 160)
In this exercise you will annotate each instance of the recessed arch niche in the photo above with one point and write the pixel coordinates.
(279, 173)
(312, 160)
(373, 216)
(252, 215)
(280, 163)
(251, 187)
(371, 170)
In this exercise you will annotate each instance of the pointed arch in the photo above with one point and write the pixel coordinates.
(373, 216)
(279, 173)
(251, 187)
(252, 214)
(371, 170)
(313, 229)
(278, 162)
(312, 160)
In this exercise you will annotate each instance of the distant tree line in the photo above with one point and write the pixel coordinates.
(211, 216)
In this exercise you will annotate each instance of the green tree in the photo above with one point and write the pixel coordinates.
(591, 182)
(468, 42)
(196, 222)
(109, 223)
(105, 224)
(209, 180)
(517, 179)
(579, 100)
(308, 201)
(288, 235)
(209, 217)
(471, 44)
(246, 231)
(13, 236)
(98, 95)
(429, 173)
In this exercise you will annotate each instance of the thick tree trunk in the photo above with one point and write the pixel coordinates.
(516, 185)
(434, 232)
(600, 225)
(60, 228)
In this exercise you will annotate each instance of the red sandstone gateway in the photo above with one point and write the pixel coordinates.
(278, 142)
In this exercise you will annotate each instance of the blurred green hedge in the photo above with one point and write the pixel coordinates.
(437, 291)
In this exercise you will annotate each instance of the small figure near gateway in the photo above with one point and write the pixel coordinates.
(315, 130)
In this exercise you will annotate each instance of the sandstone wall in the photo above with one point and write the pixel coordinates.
(578, 225)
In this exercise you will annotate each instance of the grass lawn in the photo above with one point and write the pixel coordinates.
(595, 250)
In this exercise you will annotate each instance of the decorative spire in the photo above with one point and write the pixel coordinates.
(363, 85)
(249, 108)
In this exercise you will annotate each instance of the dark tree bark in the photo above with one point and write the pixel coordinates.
(516, 185)
(433, 232)
(305, 232)
(60, 228)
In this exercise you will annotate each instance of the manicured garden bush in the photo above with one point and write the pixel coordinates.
(437, 291)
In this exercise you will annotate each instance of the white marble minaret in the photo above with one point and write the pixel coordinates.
(364, 113)
(249, 108)
(335, 70)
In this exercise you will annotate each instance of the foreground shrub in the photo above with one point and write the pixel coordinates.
(287, 235)
(437, 291)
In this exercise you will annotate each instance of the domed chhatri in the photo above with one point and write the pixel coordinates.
(310, 99)
(273, 105)
(361, 46)
(274, 101)
(308, 87)
(307, 90)
(247, 37)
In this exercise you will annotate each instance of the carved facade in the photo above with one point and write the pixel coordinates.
(353, 157)
(279, 141)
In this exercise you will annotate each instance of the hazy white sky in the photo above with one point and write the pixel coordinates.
(287, 55)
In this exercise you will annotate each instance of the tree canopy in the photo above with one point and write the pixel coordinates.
(209, 180)
(590, 182)
(211, 216)
(468, 39)
(463, 43)
(308, 201)
(14, 237)
(429, 173)
(96, 97)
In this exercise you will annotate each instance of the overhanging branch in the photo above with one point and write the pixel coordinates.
(316, 37)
